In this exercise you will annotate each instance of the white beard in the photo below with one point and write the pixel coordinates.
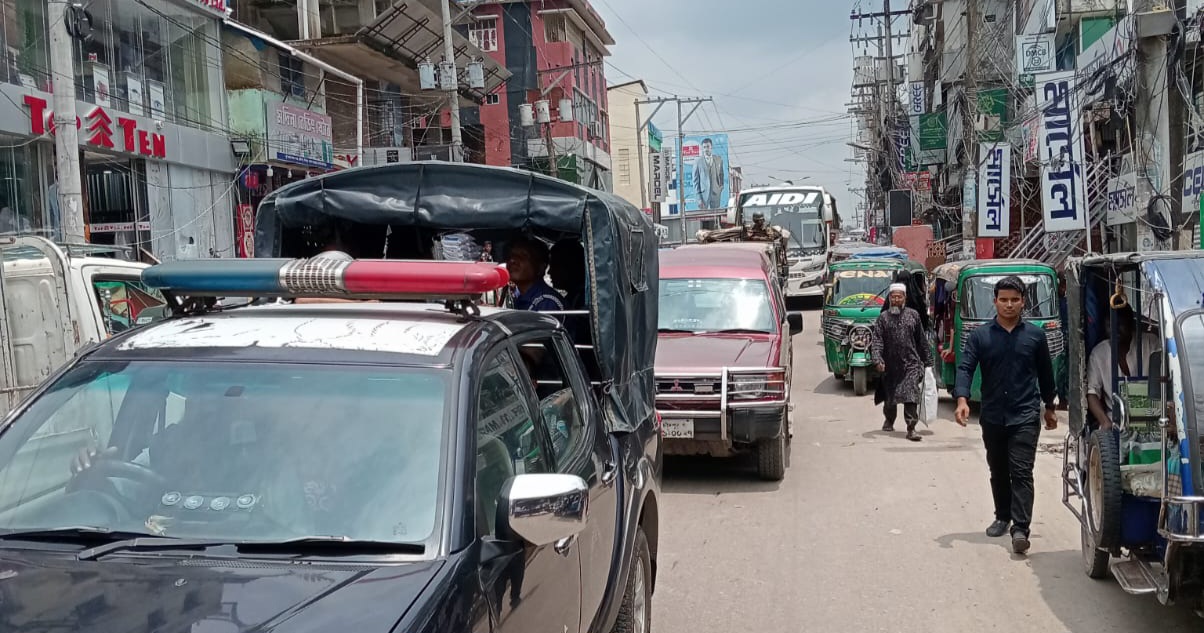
(896, 310)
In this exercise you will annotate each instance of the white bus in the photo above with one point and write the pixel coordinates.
(809, 214)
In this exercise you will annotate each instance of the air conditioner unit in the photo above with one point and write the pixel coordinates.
(595, 129)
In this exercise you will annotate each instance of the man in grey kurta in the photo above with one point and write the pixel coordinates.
(901, 351)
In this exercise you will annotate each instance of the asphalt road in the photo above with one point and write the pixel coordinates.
(870, 532)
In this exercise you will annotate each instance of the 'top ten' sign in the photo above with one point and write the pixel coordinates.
(100, 130)
(994, 174)
(1060, 142)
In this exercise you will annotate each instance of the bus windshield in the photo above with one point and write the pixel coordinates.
(800, 212)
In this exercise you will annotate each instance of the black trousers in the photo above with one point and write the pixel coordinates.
(911, 413)
(1011, 453)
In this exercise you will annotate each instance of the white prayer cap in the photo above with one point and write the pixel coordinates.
(897, 288)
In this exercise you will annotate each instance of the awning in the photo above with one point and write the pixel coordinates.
(390, 47)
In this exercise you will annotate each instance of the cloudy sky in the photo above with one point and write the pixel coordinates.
(779, 72)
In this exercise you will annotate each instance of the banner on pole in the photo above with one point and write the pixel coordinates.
(656, 176)
(994, 192)
(1060, 145)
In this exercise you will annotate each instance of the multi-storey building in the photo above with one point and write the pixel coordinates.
(554, 51)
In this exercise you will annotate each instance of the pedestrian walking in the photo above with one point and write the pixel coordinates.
(900, 348)
(1017, 377)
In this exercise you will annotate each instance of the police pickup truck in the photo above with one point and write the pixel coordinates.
(383, 464)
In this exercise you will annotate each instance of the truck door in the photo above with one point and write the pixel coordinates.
(117, 299)
(36, 328)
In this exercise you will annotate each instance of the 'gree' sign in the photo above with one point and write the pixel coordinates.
(100, 129)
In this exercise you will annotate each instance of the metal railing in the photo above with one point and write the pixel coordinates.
(1060, 246)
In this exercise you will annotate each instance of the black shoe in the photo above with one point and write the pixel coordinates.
(888, 427)
(997, 529)
(1020, 542)
(912, 435)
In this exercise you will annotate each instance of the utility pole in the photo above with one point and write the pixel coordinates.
(970, 87)
(1157, 151)
(66, 135)
(453, 93)
(681, 121)
(639, 152)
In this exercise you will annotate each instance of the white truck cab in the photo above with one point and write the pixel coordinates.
(55, 300)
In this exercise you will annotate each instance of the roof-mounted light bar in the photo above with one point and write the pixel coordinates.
(319, 277)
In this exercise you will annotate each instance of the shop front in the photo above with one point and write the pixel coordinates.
(156, 185)
(158, 171)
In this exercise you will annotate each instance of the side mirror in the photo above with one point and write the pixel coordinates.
(795, 319)
(542, 509)
(731, 215)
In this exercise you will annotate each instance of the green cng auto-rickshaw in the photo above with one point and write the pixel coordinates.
(963, 298)
(1132, 459)
(853, 299)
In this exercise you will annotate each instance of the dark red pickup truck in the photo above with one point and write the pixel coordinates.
(723, 356)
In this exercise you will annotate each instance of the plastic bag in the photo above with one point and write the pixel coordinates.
(930, 403)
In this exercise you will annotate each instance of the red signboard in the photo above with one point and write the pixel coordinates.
(100, 130)
(244, 231)
(984, 248)
(917, 180)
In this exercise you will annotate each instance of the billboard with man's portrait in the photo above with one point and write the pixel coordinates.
(704, 167)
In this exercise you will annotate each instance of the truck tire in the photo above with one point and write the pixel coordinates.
(1095, 560)
(771, 458)
(1102, 491)
(861, 381)
(635, 614)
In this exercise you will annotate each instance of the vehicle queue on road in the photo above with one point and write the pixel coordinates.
(349, 403)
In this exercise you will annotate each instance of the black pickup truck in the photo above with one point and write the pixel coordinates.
(370, 467)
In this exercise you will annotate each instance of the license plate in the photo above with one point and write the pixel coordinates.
(678, 428)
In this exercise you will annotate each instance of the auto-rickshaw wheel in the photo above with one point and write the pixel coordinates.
(1102, 490)
(861, 381)
(1095, 560)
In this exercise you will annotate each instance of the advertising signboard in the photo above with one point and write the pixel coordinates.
(1122, 191)
(657, 176)
(994, 196)
(704, 169)
(299, 136)
(1060, 146)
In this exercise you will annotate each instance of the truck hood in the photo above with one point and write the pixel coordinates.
(677, 352)
(203, 595)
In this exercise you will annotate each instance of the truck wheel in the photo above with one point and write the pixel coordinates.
(861, 380)
(1095, 560)
(771, 458)
(635, 614)
(1102, 491)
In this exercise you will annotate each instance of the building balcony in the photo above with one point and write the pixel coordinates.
(376, 40)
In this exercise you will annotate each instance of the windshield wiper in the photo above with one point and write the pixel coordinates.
(328, 545)
(740, 330)
(669, 330)
(73, 534)
(325, 545)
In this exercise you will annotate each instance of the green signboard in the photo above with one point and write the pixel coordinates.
(934, 128)
(993, 105)
(655, 138)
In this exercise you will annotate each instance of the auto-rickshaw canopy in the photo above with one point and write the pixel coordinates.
(423, 198)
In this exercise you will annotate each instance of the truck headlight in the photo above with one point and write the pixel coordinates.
(860, 337)
(757, 386)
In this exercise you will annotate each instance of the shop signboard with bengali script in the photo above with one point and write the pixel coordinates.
(1060, 148)
(994, 191)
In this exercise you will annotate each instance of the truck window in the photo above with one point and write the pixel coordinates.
(125, 303)
(560, 410)
(507, 440)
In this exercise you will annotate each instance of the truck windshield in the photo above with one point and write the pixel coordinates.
(861, 287)
(797, 211)
(978, 300)
(234, 452)
(807, 233)
(710, 305)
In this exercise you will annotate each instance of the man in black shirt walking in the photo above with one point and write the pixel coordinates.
(1017, 377)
